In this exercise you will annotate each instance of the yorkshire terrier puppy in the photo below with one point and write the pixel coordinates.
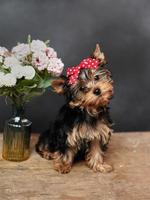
(83, 123)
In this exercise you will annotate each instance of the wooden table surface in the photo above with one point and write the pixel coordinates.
(35, 179)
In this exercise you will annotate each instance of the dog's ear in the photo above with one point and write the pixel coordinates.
(98, 54)
(58, 85)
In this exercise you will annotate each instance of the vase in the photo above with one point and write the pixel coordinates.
(16, 136)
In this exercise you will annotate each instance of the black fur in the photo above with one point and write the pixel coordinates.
(55, 138)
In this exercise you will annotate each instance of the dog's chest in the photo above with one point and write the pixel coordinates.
(82, 133)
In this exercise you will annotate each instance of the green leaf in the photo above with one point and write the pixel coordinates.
(29, 39)
(45, 83)
(33, 93)
(2, 69)
(47, 42)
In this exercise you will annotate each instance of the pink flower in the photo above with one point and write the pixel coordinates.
(51, 53)
(55, 66)
(40, 60)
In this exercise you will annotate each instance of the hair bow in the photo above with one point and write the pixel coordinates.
(73, 72)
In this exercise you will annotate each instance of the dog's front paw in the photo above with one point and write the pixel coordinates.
(103, 168)
(99, 166)
(62, 168)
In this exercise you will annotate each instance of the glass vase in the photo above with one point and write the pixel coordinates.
(16, 136)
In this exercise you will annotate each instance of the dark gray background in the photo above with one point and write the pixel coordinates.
(122, 27)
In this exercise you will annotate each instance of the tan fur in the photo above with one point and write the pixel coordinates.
(47, 154)
(63, 162)
(106, 91)
(102, 133)
(44, 152)
(87, 99)
(98, 54)
(57, 85)
(94, 158)
(97, 137)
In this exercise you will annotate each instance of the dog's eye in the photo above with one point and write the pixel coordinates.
(96, 78)
(83, 88)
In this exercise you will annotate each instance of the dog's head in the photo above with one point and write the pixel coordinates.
(89, 87)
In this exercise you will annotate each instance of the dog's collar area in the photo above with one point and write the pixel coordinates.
(81, 109)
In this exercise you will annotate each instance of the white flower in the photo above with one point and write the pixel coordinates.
(38, 45)
(28, 72)
(1, 79)
(55, 66)
(17, 71)
(50, 52)
(3, 51)
(21, 51)
(1, 59)
(7, 80)
(11, 61)
(20, 71)
(40, 60)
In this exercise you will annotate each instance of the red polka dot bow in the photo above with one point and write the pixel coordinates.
(73, 72)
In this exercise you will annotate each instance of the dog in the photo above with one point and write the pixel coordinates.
(83, 125)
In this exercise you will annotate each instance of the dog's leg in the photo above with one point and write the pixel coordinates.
(42, 146)
(43, 151)
(63, 162)
(94, 158)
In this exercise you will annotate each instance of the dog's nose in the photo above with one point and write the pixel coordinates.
(97, 91)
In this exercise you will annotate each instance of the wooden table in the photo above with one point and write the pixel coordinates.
(35, 179)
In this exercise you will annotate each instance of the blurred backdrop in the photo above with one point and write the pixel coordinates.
(122, 27)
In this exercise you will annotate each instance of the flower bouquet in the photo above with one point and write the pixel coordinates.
(25, 72)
